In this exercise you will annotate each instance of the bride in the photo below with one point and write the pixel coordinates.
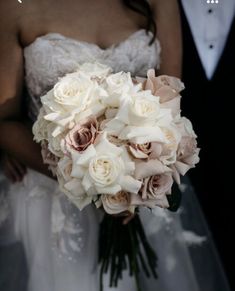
(41, 41)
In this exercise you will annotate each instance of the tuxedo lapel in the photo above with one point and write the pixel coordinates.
(227, 61)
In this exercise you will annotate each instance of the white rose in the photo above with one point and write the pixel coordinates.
(118, 86)
(75, 90)
(139, 109)
(139, 119)
(105, 169)
(144, 109)
(75, 97)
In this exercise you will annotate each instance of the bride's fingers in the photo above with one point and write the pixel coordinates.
(19, 167)
(122, 214)
(10, 172)
(128, 219)
(13, 170)
(127, 216)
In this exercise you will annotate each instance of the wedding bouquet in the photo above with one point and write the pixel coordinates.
(118, 142)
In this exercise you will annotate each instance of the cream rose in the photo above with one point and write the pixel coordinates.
(104, 170)
(118, 203)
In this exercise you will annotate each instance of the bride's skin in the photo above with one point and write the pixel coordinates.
(104, 22)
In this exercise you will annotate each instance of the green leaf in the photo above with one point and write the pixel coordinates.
(175, 198)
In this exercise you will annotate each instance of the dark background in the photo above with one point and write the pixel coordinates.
(209, 105)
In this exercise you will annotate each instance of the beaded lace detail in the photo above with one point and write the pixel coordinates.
(53, 55)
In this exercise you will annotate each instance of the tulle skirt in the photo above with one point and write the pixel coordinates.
(60, 242)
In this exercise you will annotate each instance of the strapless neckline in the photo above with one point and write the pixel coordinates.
(52, 55)
(51, 35)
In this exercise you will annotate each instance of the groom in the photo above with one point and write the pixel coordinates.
(208, 29)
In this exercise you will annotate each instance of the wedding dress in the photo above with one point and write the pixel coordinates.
(60, 242)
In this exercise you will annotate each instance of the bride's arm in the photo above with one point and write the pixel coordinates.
(15, 137)
(167, 18)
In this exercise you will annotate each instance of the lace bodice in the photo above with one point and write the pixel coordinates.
(53, 55)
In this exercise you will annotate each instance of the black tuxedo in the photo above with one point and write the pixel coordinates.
(208, 104)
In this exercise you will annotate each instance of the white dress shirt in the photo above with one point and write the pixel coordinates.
(210, 25)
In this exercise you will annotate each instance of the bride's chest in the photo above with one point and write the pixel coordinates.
(53, 55)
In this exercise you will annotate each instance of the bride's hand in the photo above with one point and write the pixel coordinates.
(127, 216)
(13, 169)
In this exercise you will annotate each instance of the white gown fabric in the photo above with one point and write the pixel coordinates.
(60, 242)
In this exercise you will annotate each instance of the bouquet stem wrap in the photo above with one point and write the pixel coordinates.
(123, 247)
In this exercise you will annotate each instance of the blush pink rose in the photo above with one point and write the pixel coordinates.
(166, 87)
(156, 186)
(48, 157)
(150, 150)
(187, 154)
(82, 135)
(153, 192)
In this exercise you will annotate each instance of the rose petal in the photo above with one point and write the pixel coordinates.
(150, 168)
(129, 184)
(109, 189)
(182, 168)
(75, 187)
(137, 153)
(141, 135)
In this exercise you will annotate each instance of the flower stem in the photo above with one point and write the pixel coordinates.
(118, 243)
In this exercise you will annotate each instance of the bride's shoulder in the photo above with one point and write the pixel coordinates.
(15, 9)
(12, 14)
(9, 14)
(15, 14)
